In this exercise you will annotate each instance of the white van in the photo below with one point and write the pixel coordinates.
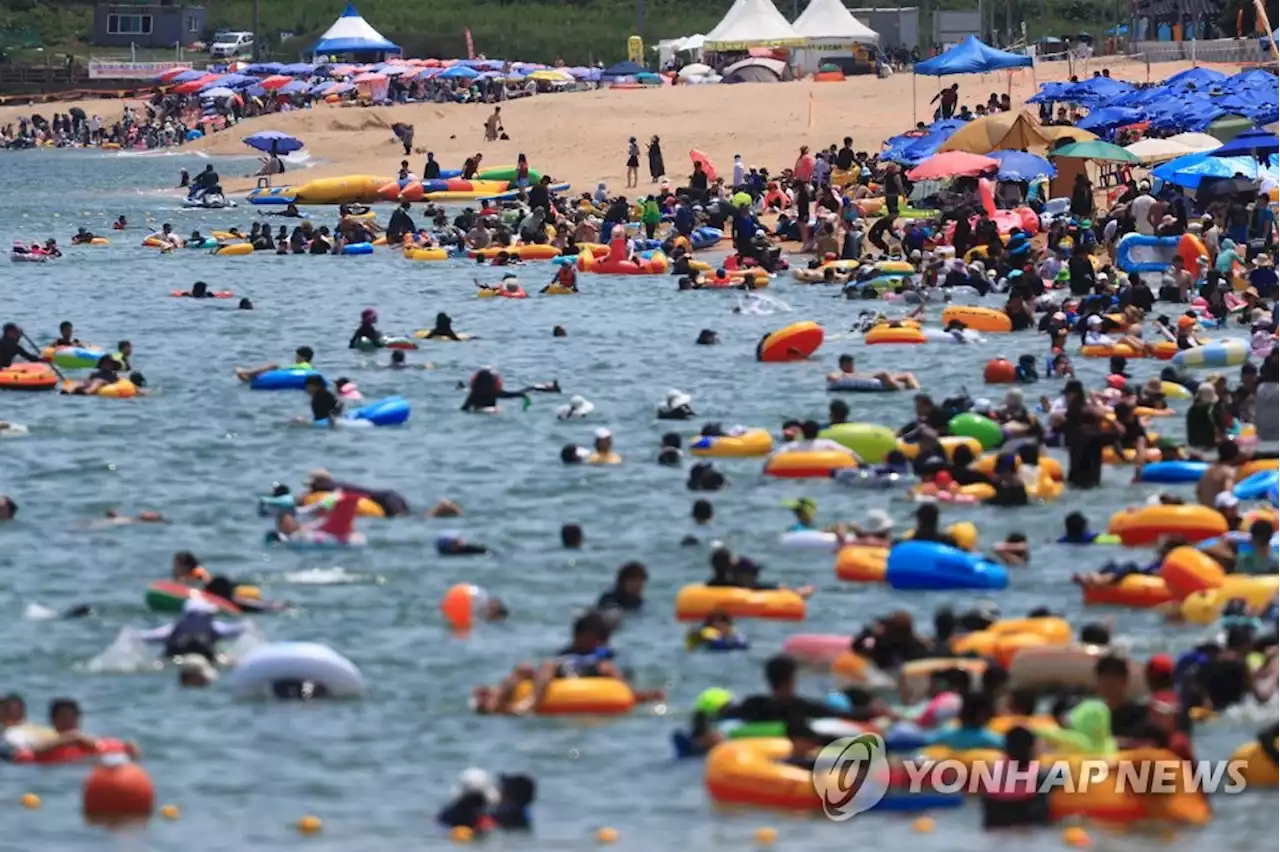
(228, 45)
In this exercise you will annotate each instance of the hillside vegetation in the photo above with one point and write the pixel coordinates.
(577, 31)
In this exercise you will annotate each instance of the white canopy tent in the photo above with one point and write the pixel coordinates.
(829, 30)
(752, 23)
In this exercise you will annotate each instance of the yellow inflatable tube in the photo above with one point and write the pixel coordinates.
(948, 442)
(350, 189)
(752, 772)
(1206, 607)
(235, 249)
(753, 442)
(595, 696)
(1259, 770)
(426, 254)
(365, 508)
(694, 603)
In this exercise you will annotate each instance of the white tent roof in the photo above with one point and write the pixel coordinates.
(752, 23)
(351, 33)
(828, 22)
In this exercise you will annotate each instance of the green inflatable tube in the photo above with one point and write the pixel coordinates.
(507, 173)
(984, 430)
(870, 441)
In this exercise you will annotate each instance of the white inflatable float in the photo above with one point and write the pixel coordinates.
(295, 661)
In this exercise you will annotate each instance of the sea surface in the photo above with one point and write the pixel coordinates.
(202, 447)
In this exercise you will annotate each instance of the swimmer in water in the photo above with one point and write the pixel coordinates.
(106, 373)
(325, 407)
(245, 305)
(66, 335)
(443, 329)
(400, 361)
(486, 389)
(82, 237)
(887, 380)
(367, 333)
(302, 361)
(566, 278)
(196, 631)
(113, 518)
(120, 224)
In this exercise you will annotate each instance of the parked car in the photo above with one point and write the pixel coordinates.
(231, 44)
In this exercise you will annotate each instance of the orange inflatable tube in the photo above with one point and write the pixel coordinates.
(1145, 526)
(1187, 571)
(796, 342)
(859, 564)
(1136, 591)
(694, 603)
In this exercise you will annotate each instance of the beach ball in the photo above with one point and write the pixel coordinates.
(118, 792)
(999, 371)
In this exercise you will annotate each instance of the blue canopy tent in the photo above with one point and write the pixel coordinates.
(298, 69)
(1250, 143)
(1101, 121)
(915, 147)
(1189, 170)
(623, 69)
(970, 56)
(1096, 91)
(351, 34)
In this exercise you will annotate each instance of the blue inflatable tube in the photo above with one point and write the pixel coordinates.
(1258, 486)
(929, 566)
(391, 411)
(358, 248)
(206, 243)
(1173, 472)
(1133, 244)
(283, 379)
(705, 237)
(898, 802)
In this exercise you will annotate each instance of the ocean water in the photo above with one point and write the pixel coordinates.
(203, 446)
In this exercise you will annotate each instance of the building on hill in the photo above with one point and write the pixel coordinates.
(149, 24)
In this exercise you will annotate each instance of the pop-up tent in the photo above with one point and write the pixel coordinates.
(970, 56)
(752, 23)
(829, 30)
(351, 34)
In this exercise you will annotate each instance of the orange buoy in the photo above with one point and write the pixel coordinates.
(118, 791)
(999, 371)
(462, 605)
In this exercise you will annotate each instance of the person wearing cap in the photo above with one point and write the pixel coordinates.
(678, 406)
(302, 357)
(482, 804)
(875, 530)
(602, 450)
(1263, 275)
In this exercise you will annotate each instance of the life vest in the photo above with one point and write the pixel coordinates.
(566, 276)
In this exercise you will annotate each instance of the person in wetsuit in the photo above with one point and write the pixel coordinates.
(367, 331)
(196, 631)
(11, 346)
(324, 405)
(443, 328)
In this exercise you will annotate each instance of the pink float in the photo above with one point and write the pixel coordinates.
(816, 650)
(616, 262)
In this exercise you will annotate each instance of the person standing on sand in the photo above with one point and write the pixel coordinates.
(947, 100)
(633, 163)
(657, 168)
(493, 125)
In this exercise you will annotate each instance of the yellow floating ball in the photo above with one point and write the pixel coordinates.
(766, 836)
(30, 801)
(461, 834)
(170, 812)
(309, 825)
(924, 824)
(1076, 837)
(607, 835)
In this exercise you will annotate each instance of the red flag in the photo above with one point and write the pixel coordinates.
(471, 46)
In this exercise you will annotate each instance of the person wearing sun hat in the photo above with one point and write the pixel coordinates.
(1263, 275)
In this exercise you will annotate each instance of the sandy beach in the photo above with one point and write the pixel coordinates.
(582, 138)
(109, 110)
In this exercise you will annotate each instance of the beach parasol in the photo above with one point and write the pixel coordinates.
(708, 167)
(218, 93)
(297, 87)
(458, 72)
(551, 75)
(1019, 165)
(167, 76)
(1251, 142)
(1095, 149)
(192, 86)
(368, 77)
(273, 141)
(1195, 141)
(1157, 150)
(276, 81)
(1190, 170)
(951, 164)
